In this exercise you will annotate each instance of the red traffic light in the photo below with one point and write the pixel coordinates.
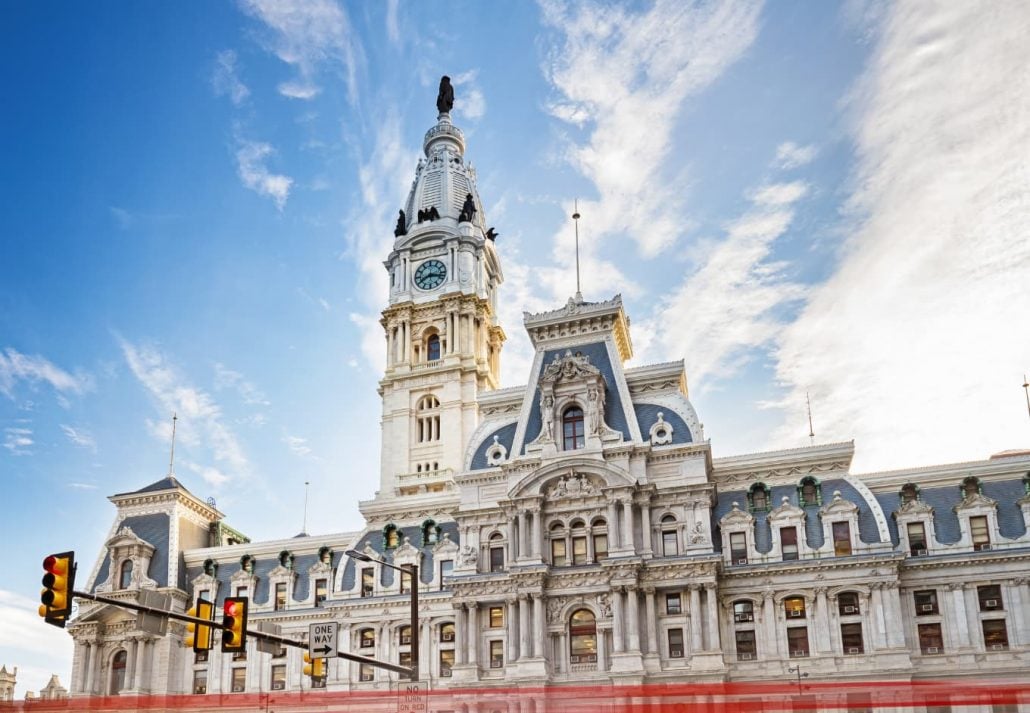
(234, 624)
(58, 582)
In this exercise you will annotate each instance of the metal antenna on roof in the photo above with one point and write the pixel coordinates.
(811, 431)
(171, 459)
(304, 529)
(575, 217)
(1026, 390)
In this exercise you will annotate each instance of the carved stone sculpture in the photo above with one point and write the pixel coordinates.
(445, 97)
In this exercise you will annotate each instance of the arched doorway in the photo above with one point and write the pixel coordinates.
(118, 672)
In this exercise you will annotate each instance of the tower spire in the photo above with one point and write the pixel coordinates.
(575, 218)
(304, 527)
(811, 431)
(171, 458)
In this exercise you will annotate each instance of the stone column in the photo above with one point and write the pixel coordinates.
(513, 539)
(959, 621)
(424, 647)
(969, 597)
(633, 615)
(539, 624)
(627, 523)
(712, 605)
(895, 621)
(91, 665)
(473, 634)
(538, 535)
(1018, 602)
(613, 526)
(132, 647)
(646, 546)
(562, 664)
(617, 620)
(695, 619)
(879, 626)
(460, 633)
(524, 631)
(602, 651)
(141, 654)
(513, 647)
(770, 648)
(823, 621)
(652, 621)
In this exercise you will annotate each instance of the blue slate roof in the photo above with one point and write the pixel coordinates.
(505, 436)
(153, 529)
(262, 594)
(414, 534)
(169, 482)
(614, 413)
(647, 414)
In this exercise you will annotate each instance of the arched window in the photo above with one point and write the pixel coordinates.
(809, 492)
(599, 533)
(430, 532)
(759, 497)
(391, 536)
(572, 428)
(670, 537)
(125, 575)
(433, 348)
(579, 542)
(496, 552)
(559, 548)
(909, 493)
(404, 632)
(971, 486)
(427, 421)
(118, 672)
(286, 559)
(743, 611)
(582, 637)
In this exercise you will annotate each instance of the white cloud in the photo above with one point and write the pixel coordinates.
(226, 378)
(224, 79)
(393, 31)
(297, 445)
(307, 34)
(250, 160)
(469, 102)
(83, 486)
(80, 437)
(789, 155)
(200, 417)
(38, 649)
(17, 367)
(732, 298)
(916, 346)
(18, 441)
(211, 475)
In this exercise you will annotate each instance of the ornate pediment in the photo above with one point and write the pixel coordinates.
(785, 510)
(574, 485)
(125, 537)
(736, 516)
(914, 507)
(976, 501)
(569, 367)
(406, 551)
(446, 546)
(838, 506)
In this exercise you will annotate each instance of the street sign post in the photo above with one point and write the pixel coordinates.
(322, 640)
(412, 696)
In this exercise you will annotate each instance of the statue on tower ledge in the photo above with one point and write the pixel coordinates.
(445, 99)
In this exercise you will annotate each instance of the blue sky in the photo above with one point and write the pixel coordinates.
(198, 197)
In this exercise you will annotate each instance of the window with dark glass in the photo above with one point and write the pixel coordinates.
(582, 637)
(789, 542)
(428, 421)
(366, 672)
(200, 682)
(446, 662)
(989, 597)
(672, 603)
(321, 591)
(572, 428)
(670, 539)
(496, 654)
(675, 643)
(579, 549)
(118, 664)
(278, 677)
(841, 538)
(239, 680)
(916, 538)
(747, 648)
(847, 604)
(759, 497)
(446, 569)
(368, 581)
(496, 553)
(797, 641)
(404, 633)
(447, 632)
(559, 556)
(600, 546)
(930, 639)
(979, 533)
(851, 638)
(809, 492)
(794, 607)
(406, 582)
(738, 548)
(926, 602)
(280, 596)
(496, 617)
(433, 348)
(743, 611)
(125, 577)
(996, 635)
(404, 658)
(367, 638)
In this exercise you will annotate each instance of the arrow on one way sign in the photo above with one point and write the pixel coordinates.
(322, 640)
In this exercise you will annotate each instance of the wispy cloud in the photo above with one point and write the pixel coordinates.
(226, 378)
(39, 649)
(470, 103)
(80, 437)
(18, 441)
(307, 34)
(226, 81)
(393, 31)
(789, 155)
(83, 486)
(297, 445)
(919, 336)
(16, 367)
(201, 422)
(250, 161)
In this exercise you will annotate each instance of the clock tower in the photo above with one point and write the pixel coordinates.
(442, 337)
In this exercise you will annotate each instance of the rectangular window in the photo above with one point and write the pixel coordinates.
(204, 594)
(743, 611)
(672, 604)
(366, 672)
(789, 542)
(241, 591)
(979, 533)
(926, 602)
(851, 638)
(797, 641)
(738, 548)
(280, 596)
(239, 680)
(405, 582)
(917, 539)
(579, 550)
(496, 654)
(794, 608)
(746, 647)
(200, 656)
(600, 547)
(200, 681)
(447, 632)
(368, 581)
(405, 635)
(321, 591)
(404, 658)
(996, 635)
(841, 539)
(496, 617)
(558, 553)
(670, 545)
(446, 569)
(446, 662)
(990, 597)
(368, 638)
(279, 677)
(930, 639)
(847, 604)
(496, 559)
(675, 643)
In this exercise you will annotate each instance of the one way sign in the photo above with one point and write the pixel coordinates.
(322, 640)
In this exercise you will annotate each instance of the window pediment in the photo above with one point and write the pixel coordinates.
(838, 506)
(913, 508)
(786, 511)
(737, 517)
(976, 501)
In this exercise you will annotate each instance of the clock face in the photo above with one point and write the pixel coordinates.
(430, 274)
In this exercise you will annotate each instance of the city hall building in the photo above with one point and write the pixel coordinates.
(576, 529)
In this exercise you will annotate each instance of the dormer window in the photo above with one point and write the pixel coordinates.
(909, 493)
(430, 532)
(809, 492)
(391, 536)
(433, 348)
(572, 428)
(759, 497)
(971, 487)
(125, 575)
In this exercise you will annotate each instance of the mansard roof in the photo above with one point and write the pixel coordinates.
(169, 482)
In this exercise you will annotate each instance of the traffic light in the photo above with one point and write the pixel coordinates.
(199, 636)
(314, 668)
(58, 583)
(234, 624)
